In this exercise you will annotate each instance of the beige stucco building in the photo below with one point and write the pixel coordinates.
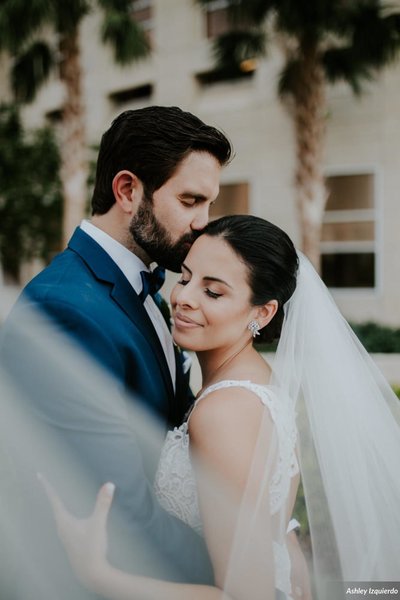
(361, 241)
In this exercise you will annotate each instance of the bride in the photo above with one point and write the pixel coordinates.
(231, 471)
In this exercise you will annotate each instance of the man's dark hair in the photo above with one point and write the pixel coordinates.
(151, 142)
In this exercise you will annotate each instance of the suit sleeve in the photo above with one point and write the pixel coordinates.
(89, 433)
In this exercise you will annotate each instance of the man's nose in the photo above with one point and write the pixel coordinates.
(201, 217)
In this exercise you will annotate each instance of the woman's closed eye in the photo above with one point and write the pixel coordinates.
(207, 291)
(212, 294)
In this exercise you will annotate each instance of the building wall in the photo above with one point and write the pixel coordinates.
(362, 135)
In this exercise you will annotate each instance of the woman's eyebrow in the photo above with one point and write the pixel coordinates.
(183, 266)
(207, 277)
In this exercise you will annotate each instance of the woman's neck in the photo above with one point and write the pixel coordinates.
(216, 363)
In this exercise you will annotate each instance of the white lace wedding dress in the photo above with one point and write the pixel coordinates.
(175, 484)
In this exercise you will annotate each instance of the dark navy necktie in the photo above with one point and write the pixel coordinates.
(152, 281)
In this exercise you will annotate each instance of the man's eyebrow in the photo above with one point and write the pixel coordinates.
(207, 277)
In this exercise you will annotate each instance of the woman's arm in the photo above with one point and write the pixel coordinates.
(232, 440)
(85, 541)
(224, 429)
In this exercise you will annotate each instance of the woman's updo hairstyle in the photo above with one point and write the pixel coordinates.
(271, 260)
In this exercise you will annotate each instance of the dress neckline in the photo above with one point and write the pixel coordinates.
(232, 383)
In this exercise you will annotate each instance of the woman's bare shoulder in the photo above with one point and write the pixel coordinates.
(227, 411)
(224, 430)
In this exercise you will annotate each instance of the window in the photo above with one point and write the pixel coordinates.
(348, 246)
(217, 18)
(240, 73)
(142, 13)
(218, 22)
(233, 199)
(138, 93)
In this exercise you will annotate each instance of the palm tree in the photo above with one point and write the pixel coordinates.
(323, 41)
(26, 31)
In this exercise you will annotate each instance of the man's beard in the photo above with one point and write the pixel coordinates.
(156, 241)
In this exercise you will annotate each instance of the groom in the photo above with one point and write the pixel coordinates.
(157, 175)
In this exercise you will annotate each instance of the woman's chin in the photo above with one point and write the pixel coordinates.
(183, 341)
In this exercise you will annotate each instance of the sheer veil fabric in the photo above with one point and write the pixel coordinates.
(349, 438)
(348, 444)
(43, 368)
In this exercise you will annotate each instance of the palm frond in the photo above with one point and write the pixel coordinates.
(317, 19)
(376, 39)
(289, 78)
(30, 69)
(343, 64)
(20, 19)
(234, 47)
(126, 37)
(67, 15)
(10, 129)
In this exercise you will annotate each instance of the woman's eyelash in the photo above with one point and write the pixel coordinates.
(209, 292)
(212, 294)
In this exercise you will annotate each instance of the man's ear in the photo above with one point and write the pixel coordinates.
(266, 313)
(128, 191)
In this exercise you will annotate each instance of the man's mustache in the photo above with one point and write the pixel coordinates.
(190, 238)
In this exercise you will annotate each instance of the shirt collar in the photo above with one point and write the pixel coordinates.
(127, 261)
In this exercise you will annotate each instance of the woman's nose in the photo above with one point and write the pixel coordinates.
(186, 296)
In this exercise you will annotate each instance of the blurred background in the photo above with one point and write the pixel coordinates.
(307, 93)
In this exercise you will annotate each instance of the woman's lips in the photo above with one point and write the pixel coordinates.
(181, 321)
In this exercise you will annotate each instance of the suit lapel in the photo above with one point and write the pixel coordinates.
(105, 269)
(123, 294)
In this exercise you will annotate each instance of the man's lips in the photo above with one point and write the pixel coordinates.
(187, 245)
(183, 321)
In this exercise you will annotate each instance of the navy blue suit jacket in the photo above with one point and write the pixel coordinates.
(86, 295)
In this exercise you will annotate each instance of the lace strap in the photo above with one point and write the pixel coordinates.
(257, 389)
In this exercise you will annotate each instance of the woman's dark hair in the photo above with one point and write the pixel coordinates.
(271, 260)
(151, 142)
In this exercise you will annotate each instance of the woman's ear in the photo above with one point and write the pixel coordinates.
(266, 313)
(128, 191)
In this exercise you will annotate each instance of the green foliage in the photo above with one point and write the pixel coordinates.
(330, 33)
(377, 338)
(30, 195)
(374, 337)
(30, 70)
(22, 27)
(300, 513)
(125, 36)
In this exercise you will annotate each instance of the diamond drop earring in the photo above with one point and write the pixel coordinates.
(254, 327)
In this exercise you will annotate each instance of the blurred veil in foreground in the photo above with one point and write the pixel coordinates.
(348, 450)
(49, 392)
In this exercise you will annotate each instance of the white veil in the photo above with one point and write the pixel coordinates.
(349, 438)
(345, 417)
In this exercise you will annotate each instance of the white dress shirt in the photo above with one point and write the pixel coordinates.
(131, 266)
